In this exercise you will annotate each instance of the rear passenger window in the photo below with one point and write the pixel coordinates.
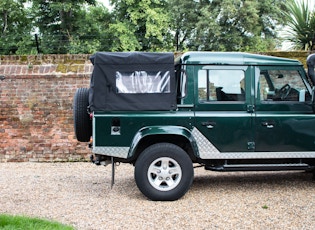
(221, 85)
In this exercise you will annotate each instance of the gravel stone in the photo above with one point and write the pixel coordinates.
(79, 194)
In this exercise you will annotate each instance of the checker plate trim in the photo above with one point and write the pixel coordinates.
(121, 152)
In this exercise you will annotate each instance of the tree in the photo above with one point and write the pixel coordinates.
(183, 19)
(301, 23)
(57, 21)
(124, 38)
(93, 33)
(140, 25)
(15, 34)
(225, 25)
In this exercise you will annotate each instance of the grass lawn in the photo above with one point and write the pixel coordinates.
(9, 222)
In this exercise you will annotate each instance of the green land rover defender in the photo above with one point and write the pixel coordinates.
(222, 111)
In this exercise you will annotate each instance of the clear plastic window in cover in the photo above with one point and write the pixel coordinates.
(143, 82)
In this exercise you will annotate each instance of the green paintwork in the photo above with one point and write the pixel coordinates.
(132, 122)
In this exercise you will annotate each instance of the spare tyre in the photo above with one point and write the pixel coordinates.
(82, 120)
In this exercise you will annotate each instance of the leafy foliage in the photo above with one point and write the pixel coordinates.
(183, 22)
(85, 26)
(57, 21)
(147, 22)
(302, 25)
(15, 27)
(92, 33)
(238, 25)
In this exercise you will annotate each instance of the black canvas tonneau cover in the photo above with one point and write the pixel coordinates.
(124, 81)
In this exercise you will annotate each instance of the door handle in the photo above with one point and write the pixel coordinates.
(268, 124)
(208, 124)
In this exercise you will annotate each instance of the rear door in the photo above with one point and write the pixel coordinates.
(224, 111)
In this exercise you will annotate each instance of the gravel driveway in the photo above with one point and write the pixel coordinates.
(79, 194)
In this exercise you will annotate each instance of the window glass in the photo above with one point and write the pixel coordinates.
(282, 85)
(221, 85)
(143, 82)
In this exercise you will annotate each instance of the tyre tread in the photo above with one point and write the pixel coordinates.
(82, 121)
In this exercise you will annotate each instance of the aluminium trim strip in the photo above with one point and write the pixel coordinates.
(260, 155)
(264, 165)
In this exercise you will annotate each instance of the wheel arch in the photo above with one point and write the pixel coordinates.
(177, 135)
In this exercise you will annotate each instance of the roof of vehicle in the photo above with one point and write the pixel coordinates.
(233, 58)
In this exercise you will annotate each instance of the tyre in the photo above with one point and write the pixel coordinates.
(164, 172)
(82, 120)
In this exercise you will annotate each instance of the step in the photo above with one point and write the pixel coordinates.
(259, 167)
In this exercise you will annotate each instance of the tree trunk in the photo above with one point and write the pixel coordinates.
(313, 43)
(177, 40)
(5, 22)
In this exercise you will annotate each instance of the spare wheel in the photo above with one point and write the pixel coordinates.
(82, 120)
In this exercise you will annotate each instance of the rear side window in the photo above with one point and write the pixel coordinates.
(221, 85)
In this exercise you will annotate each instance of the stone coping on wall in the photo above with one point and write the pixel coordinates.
(77, 64)
(45, 70)
(44, 59)
(45, 65)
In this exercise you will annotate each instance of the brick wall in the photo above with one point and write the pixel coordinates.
(36, 98)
